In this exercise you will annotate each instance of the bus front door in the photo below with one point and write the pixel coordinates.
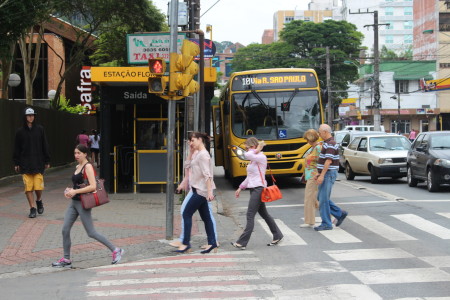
(218, 136)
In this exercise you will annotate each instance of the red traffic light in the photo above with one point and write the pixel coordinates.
(157, 66)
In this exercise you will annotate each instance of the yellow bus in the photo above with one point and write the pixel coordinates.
(274, 105)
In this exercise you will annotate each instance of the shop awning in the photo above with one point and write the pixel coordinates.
(408, 75)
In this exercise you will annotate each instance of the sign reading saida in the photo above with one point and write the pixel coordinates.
(287, 80)
(120, 74)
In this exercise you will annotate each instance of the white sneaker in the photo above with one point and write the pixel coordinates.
(306, 226)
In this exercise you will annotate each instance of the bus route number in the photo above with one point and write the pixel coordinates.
(243, 164)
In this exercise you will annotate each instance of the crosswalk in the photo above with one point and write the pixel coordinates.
(243, 275)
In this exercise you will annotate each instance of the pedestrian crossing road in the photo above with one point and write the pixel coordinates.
(347, 265)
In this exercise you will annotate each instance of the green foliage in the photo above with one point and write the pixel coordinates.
(111, 47)
(64, 105)
(221, 46)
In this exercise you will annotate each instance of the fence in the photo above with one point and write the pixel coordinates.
(60, 127)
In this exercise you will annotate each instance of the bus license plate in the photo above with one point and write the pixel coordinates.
(403, 170)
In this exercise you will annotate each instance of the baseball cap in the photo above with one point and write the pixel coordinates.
(29, 111)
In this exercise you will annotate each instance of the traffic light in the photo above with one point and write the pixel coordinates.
(157, 82)
(183, 69)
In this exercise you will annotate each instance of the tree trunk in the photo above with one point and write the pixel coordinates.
(26, 44)
(6, 70)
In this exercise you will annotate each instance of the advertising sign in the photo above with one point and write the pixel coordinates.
(142, 47)
(210, 48)
(120, 74)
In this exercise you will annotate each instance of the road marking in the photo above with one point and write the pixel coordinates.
(332, 292)
(394, 276)
(425, 225)
(368, 254)
(177, 279)
(290, 237)
(301, 269)
(437, 261)
(446, 215)
(381, 229)
(117, 272)
(186, 260)
(339, 236)
(185, 290)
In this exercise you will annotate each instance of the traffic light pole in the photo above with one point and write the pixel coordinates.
(171, 129)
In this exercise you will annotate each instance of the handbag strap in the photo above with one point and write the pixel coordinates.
(84, 171)
(260, 174)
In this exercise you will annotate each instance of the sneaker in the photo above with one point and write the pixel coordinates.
(32, 213)
(306, 225)
(40, 207)
(62, 263)
(342, 218)
(321, 227)
(117, 255)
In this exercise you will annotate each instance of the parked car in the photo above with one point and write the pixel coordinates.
(339, 135)
(362, 128)
(429, 160)
(345, 141)
(377, 156)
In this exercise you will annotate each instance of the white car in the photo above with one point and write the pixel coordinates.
(377, 156)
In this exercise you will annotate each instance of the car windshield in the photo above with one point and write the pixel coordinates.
(389, 143)
(275, 115)
(440, 142)
(339, 136)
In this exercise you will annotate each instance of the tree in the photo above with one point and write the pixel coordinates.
(16, 18)
(97, 18)
(111, 47)
(221, 46)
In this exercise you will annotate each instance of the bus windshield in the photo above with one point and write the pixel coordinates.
(275, 115)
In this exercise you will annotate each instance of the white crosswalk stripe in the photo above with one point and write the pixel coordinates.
(381, 229)
(413, 275)
(425, 225)
(368, 254)
(334, 292)
(290, 237)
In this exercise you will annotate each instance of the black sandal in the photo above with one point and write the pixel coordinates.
(273, 243)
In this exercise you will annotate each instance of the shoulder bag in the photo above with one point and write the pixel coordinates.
(270, 193)
(95, 198)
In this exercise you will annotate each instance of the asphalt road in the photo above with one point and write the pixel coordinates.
(394, 244)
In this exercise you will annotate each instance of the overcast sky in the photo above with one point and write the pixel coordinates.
(240, 21)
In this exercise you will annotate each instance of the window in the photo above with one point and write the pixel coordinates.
(389, 39)
(363, 145)
(408, 39)
(408, 11)
(288, 19)
(401, 86)
(408, 24)
(354, 144)
(389, 11)
(400, 126)
(444, 21)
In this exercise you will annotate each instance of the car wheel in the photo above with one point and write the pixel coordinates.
(341, 169)
(373, 175)
(412, 182)
(432, 184)
(349, 172)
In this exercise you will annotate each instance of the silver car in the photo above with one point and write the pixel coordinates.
(377, 156)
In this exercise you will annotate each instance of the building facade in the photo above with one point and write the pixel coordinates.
(397, 36)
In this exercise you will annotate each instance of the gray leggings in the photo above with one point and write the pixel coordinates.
(73, 211)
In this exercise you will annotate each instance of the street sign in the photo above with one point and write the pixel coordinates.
(142, 47)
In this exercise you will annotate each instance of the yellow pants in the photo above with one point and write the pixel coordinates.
(311, 203)
(33, 182)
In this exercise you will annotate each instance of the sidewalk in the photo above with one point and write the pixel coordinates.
(135, 222)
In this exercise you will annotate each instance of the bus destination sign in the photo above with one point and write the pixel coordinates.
(270, 81)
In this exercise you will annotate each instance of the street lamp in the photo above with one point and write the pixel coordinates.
(398, 107)
(13, 81)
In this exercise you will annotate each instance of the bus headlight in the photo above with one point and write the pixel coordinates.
(239, 152)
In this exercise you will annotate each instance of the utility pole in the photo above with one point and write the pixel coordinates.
(171, 128)
(376, 68)
(330, 98)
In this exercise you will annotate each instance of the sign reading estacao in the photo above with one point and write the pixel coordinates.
(120, 74)
(142, 47)
(270, 81)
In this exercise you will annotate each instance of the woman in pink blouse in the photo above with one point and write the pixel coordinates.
(255, 182)
(202, 185)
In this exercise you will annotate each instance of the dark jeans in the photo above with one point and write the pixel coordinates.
(256, 206)
(199, 203)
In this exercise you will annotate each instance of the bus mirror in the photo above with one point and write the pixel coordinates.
(226, 108)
